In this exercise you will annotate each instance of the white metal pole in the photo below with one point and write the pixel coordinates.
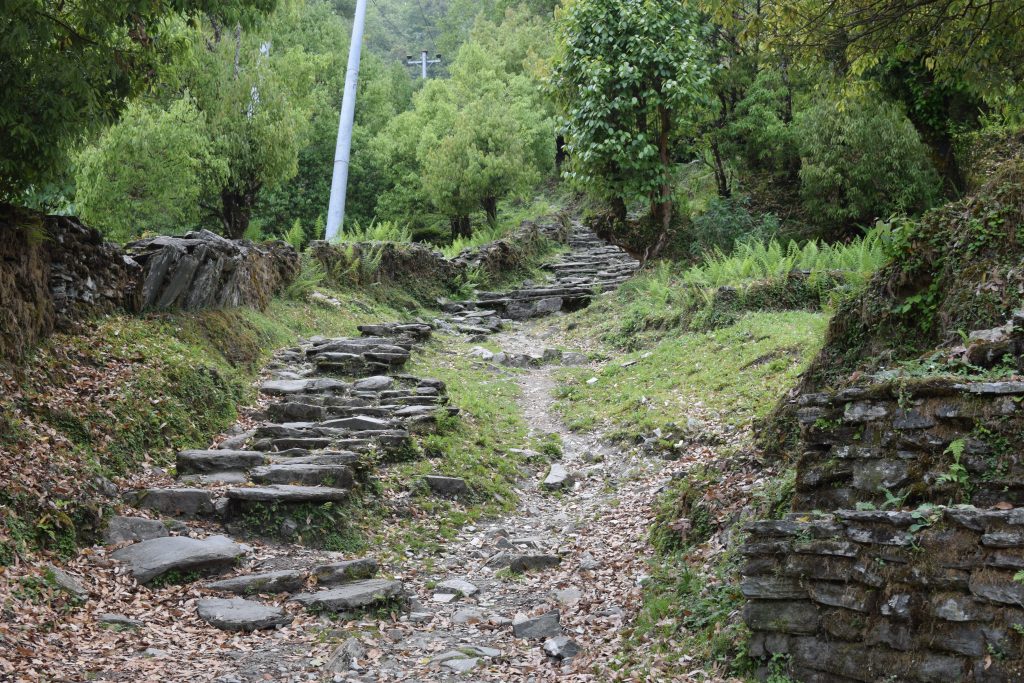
(423, 64)
(339, 181)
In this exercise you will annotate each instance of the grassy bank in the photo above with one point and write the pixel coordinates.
(125, 392)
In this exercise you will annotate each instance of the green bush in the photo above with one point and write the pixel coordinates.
(727, 221)
(862, 160)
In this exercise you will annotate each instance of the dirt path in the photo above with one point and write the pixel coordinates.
(595, 530)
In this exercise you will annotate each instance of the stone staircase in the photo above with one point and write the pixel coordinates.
(590, 267)
(332, 408)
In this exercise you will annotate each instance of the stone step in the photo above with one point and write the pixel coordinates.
(286, 494)
(340, 476)
(357, 595)
(316, 385)
(188, 503)
(345, 571)
(283, 581)
(239, 614)
(204, 461)
(152, 559)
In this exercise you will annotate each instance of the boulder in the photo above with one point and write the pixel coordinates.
(449, 487)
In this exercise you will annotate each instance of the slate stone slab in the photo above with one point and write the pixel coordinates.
(352, 596)
(283, 581)
(239, 614)
(189, 503)
(122, 529)
(546, 625)
(288, 494)
(151, 559)
(526, 563)
(336, 476)
(345, 571)
(205, 461)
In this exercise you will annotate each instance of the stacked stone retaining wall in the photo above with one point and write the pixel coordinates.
(927, 595)
(904, 438)
(54, 270)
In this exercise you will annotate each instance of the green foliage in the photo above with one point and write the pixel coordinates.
(375, 231)
(68, 68)
(726, 222)
(468, 142)
(148, 172)
(862, 160)
(625, 78)
(756, 260)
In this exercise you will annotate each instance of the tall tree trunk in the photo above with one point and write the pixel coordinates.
(619, 209)
(665, 200)
(461, 227)
(236, 211)
(490, 205)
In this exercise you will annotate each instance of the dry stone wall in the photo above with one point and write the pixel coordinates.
(913, 575)
(902, 438)
(55, 270)
(889, 596)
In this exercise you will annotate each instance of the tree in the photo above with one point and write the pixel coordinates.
(965, 42)
(256, 99)
(468, 142)
(489, 138)
(148, 172)
(628, 72)
(68, 68)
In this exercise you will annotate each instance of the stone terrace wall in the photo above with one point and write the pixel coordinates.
(54, 271)
(889, 596)
(205, 270)
(895, 436)
(424, 270)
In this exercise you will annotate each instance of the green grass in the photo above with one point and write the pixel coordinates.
(756, 276)
(738, 372)
(473, 446)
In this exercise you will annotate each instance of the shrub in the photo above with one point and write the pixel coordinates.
(728, 221)
(862, 159)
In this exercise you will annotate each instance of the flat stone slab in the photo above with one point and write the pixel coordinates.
(458, 586)
(358, 423)
(178, 502)
(239, 614)
(345, 571)
(283, 387)
(546, 625)
(288, 494)
(375, 383)
(200, 462)
(122, 529)
(335, 476)
(150, 559)
(351, 596)
(558, 478)
(283, 581)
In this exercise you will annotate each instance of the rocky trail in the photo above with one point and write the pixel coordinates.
(211, 578)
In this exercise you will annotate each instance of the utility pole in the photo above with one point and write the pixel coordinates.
(339, 181)
(423, 62)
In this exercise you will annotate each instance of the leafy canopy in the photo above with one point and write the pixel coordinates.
(67, 68)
